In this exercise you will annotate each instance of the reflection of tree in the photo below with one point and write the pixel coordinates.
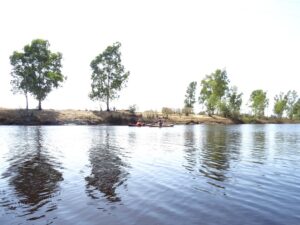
(220, 145)
(32, 173)
(215, 155)
(190, 148)
(259, 142)
(107, 167)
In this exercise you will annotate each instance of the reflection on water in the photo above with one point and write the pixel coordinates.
(215, 153)
(107, 171)
(196, 174)
(32, 175)
(259, 144)
(190, 148)
(212, 152)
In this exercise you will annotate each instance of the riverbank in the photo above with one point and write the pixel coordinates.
(86, 117)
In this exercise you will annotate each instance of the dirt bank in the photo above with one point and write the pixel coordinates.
(82, 117)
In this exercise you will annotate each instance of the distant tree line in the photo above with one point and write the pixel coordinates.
(37, 71)
(217, 97)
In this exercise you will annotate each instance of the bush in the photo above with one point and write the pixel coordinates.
(187, 111)
(150, 114)
(132, 109)
(167, 111)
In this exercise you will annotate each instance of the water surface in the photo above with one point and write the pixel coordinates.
(201, 174)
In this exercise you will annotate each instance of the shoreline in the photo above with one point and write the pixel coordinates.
(86, 117)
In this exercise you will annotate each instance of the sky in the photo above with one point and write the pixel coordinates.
(166, 44)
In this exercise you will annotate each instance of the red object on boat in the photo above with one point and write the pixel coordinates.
(138, 124)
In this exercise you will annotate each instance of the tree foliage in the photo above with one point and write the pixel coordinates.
(21, 76)
(166, 111)
(213, 88)
(187, 111)
(296, 110)
(108, 76)
(258, 102)
(132, 109)
(190, 96)
(36, 70)
(280, 104)
(292, 98)
(230, 105)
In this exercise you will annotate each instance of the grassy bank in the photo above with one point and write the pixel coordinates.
(81, 117)
(60, 117)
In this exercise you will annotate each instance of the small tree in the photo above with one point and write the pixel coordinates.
(296, 110)
(132, 109)
(36, 70)
(258, 102)
(108, 75)
(230, 105)
(235, 101)
(166, 111)
(213, 88)
(190, 96)
(187, 111)
(280, 104)
(292, 98)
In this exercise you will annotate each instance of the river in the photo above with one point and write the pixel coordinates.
(185, 175)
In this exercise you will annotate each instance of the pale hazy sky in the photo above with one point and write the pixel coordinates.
(166, 44)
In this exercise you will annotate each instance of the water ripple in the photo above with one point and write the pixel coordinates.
(187, 175)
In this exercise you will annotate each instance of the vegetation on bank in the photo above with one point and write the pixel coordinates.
(36, 71)
(82, 117)
(218, 98)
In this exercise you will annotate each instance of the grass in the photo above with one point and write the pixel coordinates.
(86, 117)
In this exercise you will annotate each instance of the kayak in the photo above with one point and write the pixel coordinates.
(157, 125)
(136, 125)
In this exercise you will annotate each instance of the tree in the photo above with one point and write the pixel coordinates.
(21, 76)
(36, 70)
(213, 88)
(187, 111)
(258, 102)
(235, 101)
(231, 105)
(280, 104)
(166, 111)
(292, 98)
(190, 96)
(296, 110)
(132, 109)
(108, 75)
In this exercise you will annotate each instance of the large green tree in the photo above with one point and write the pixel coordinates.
(213, 88)
(108, 76)
(259, 102)
(280, 104)
(36, 70)
(190, 96)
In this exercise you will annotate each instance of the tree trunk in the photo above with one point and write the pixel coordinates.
(40, 104)
(26, 96)
(107, 97)
(107, 104)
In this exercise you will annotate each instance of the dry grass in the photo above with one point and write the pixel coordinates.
(199, 119)
(81, 117)
(59, 117)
